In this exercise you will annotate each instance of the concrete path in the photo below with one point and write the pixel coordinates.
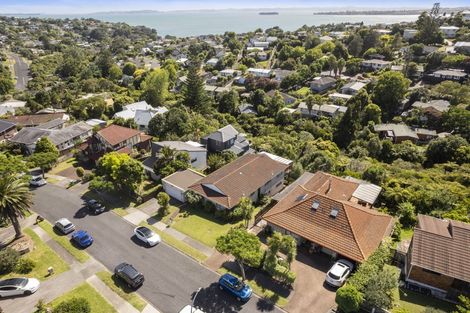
(118, 303)
(135, 216)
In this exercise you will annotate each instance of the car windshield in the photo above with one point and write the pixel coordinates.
(146, 232)
(85, 237)
(333, 276)
(68, 225)
(20, 282)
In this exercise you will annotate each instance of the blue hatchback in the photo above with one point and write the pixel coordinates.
(82, 238)
(236, 287)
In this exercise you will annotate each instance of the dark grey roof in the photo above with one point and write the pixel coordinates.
(6, 126)
(52, 124)
(247, 109)
(29, 135)
(223, 134)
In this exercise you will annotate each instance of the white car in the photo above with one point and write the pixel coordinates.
(147, 235)
(190, 309)
(339, 272)
(18, 286)
(64, 226)
(37, 181)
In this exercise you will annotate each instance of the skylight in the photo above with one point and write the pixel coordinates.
(315, 204)
(334, 212)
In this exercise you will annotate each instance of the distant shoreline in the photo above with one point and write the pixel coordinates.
(384, 12)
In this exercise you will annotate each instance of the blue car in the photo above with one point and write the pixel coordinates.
(82, 238)
(236, 287)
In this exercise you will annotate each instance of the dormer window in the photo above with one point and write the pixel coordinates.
(334, 212)
(315, 205)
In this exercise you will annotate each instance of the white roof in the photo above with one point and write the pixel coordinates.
(366, 191)
(259, 70)
(13, 103)
(449, 27)
(277, 158)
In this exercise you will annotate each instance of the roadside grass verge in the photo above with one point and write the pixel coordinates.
(98, 304)
(43, 257)
(260, 290)
(64, 241)
(122, 290)
(178, 245)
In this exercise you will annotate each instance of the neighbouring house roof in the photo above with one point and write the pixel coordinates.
(246, 108)
(141, 112)
(188, 146)
(454, 73)
(442, 246)
(115, 134)
(398, 130)
(223, 134)
(29, 135)
(354, 86)
(285, 96)
(439, 105)
(143, 117)
(342, 226)
(322, 81)
(6, 126)
(238, 179)
(183, 179)
(35, 119)
(52, 124)
(325, 108)
(13, 103)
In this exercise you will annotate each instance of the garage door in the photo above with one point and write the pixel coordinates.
(173, 192)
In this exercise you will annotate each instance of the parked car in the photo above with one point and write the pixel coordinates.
(82, 238)
(18, 286)
(37, 181)
(236, 287)
(190, 309)
(95, 207)
(64, 226)
(339, 272)
(133, 278)
(146, 235)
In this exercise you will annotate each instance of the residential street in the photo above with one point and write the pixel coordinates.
(21, 71)
(170, 277)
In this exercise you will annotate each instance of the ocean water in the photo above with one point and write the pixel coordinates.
(190, 23)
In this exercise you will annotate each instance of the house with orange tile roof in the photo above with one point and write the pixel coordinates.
(438, 258)
(330, 214)
(251, 176)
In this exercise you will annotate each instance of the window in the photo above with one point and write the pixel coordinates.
(334, 212)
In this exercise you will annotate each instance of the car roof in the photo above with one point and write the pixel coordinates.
(230, 278)
(81, 233)
(339, 268)
(129, 270)
(187, 309)
(63, 221)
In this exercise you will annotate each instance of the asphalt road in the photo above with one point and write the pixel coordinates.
(170, 276)
(21, 70)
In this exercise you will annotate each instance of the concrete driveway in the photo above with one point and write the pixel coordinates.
(170, 276)
(311, 294)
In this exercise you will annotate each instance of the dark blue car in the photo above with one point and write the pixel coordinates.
(236, 287)
(82, 238)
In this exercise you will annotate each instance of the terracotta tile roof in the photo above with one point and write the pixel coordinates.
(238, 179)
(442, 246)
(115, 134)
(335, 187)
(355, 232)
(34, 119)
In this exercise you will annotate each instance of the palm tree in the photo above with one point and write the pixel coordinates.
(15, 200)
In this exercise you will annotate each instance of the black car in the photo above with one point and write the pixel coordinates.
(94, 207)
(133, 278)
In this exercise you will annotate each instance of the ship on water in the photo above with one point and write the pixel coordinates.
(268, 13)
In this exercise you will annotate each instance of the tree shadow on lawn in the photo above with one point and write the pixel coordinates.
(110, 201)
(263, 280)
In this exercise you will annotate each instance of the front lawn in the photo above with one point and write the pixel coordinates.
(98, 304)
(64, 241)
(165, 218)
(201, 225)
(63, 166)
(122, 290)
(417, 302)
(43, 257)
(178, 245)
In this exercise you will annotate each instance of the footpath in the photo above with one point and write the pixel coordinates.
(60, 284)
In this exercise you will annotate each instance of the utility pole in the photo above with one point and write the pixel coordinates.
(435, 10)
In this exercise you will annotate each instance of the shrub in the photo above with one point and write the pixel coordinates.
(74, 305)
(80, 171)
(8, 260)
(24, 266)
(348, 298)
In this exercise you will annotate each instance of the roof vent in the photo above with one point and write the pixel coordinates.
(315, 205)
(334, 212)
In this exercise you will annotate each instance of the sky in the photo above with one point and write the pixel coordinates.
(90, 6)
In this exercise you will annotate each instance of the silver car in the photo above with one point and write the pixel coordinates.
(18, 286)
(64, 226)
(37, 181)
(338, 273)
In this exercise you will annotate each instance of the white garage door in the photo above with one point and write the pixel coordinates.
(173, 192)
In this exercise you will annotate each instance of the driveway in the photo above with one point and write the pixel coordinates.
(311, 293)
(170, 276)
(21, 70)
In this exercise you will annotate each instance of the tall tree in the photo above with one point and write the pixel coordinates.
(355, 46)
(428, 30)
(243, 246)
(247, 209)
(194, 95)
(15, 201)
(229, 102)
(389, 91)
(155, 87)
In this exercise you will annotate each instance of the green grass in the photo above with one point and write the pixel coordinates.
(303, 92)
(52, 180)
(416, 302)
(178, 245)
(166, 218)
(263, 64)
(63, 166)
(122, 290)
(64, 241)
(260, 290)
(98, 304)
(43, 257)
(406, 233)
(200, 225)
